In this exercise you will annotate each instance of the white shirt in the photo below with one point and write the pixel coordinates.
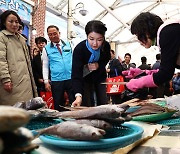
(45, 63)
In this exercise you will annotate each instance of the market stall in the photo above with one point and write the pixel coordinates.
(58, 132)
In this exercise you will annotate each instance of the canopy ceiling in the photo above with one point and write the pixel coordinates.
(120, 15)
(116, 14)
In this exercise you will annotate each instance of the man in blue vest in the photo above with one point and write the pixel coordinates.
(57, 58)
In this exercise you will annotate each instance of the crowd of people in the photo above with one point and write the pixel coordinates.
(56, 68)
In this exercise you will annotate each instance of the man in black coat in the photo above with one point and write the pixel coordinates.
(37, 64)
(115, 69)
(144, 66)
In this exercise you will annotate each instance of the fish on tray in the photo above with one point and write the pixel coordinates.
(98, 112)
(32, 104)
(148, 108)
(11, 118)
(74, 108)
(73, 130)
(120, 120)
(18, 141)
(95, 123)
(43, 113)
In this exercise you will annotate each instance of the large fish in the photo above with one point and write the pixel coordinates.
(73, 130)
(98, 112)
(43, 113)
(11, 118)
(95, 123)
(148, 108)
(32, 104)
(118, 121)
(17, 138)
(18, 141)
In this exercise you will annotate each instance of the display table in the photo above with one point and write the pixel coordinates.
(167, 142)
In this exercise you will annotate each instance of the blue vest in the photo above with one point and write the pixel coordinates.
(60, 65)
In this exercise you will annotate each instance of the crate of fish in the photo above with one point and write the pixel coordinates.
(150, 112)
(92, 127)
(119, 136)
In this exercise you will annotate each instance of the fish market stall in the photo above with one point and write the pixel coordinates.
(135, 126)
(167, 141)
(155, 130)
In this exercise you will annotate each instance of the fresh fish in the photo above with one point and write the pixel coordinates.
(148, 108)
(118, 121)
(43, 113)
(32, 104)
(95, 123)
(17, 138)
(11, 118)
(73, 130)
(74, 108)
(145, 112)
(98, 112)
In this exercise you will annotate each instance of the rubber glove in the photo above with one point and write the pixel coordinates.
(146, 81)
(132, 72)
(149, 72)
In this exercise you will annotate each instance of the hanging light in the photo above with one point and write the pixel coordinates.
(80, 6)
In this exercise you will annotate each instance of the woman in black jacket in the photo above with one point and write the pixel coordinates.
(88, 68)
(150, 30)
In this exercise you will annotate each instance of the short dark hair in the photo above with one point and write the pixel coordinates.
(146, 26)
(40, 39)
(127, 54)
(4, 16)
(52, 26)
(95, 26)
(143, 59)
(158, 56)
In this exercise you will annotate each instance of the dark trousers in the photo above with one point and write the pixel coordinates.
(94, 94)
(58, 89)
(116, 99)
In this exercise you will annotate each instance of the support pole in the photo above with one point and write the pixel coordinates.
(70, 20)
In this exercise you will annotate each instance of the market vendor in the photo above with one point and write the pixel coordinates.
(150, 30)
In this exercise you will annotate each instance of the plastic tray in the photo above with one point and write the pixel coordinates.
(170, 122)
(154, 117)
(42, 123)
(134, 108)
(161, 103)
(118, 136)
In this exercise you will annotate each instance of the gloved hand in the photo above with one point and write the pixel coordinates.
(132, 72)
(149, 72)
(146, 81)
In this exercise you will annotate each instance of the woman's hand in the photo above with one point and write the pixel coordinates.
(8, 86)
(108, 70)
(77, 102)
(40, 80)
(93, 66)
(47, 86)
